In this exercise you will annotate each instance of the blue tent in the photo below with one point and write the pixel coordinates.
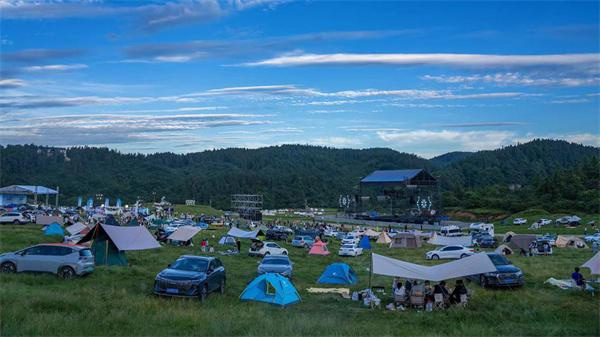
(202, 225)
(271, 288)
(54, 229)
(364, 243)
(338, 273)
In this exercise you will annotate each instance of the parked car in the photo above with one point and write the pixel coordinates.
(283, 229)
(273, 234)
(506, 273)
(15, 218)
(544, 222)
(449, 252)
(279, 264)
(303, 241)
(331, 233)
(260, 248)
(63, 260)
(592, 238)
(542, 247)
(551, 238)
(340, 235)
(350, 250)
(191, 276)
(519, 221)
(351, 239)
(486, 241)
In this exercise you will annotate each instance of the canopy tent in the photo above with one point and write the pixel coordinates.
(405, 240)
(184, 233)
(227, 240)
(440, 240)
(238, 233)
(383, 238)
(364, 242)
(507, 236)
(271, 288)
(54, 229)
(570, 241)
(338, 273)
(593, 264)
(475, 264)
(76, 228)
(521, 241)
(48, 219)
(319, 248)
(110, 242)
(504, 250)
(371, 233)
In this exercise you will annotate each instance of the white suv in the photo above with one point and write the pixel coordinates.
(14, 217)
(350, 250)
(260, 248)
(519, 221)
(351, 239)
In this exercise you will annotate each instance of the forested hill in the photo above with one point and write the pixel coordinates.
(287, 175)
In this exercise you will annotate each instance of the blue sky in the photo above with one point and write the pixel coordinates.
(424, 78)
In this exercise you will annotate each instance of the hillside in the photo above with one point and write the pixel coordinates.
(449, 158)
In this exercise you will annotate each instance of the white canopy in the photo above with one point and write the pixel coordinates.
(593, 264)
(371, 233)
(238, 233)
(471, 265)
(131, 237)
(76, 228)
(184, 233)
(440, 240)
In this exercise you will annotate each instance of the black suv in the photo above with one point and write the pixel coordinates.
(191, 276)
(276, 235)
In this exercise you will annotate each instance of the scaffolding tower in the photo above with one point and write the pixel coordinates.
(249, 206)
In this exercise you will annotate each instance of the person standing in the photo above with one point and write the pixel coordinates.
(238, 244)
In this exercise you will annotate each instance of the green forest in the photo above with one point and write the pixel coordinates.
(549, 174)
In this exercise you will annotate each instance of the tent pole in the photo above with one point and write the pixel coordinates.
(371, 271)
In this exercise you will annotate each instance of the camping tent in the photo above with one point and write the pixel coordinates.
(593, 264)
(227, 240)
(110, 242)
(76, 228)
(508, 236)
(384, 238)
(570, 241)
(364, 242)
(54, 229)
(504, 250)
(238, 233)
(271, 288)
(475, 264)
(319, 248)
(405, 240)
(440, 240)
(338, 273)
(111, 221)
(371, 233)
(521, 241)
(184, 233)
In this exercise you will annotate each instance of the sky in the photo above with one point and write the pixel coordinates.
(418, 77)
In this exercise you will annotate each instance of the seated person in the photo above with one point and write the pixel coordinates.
(440, 288)
(400, 293)
(578, 278)
(418, 289)
(428, 292)
(459, 290)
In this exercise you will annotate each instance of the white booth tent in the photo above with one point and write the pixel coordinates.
(184, 233)
(593, 264)
(238, 233)
(440, 240)
(475, 264)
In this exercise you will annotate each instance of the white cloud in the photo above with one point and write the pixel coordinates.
(506, 79)
(570, 101)
(10, 83)
(337, 141)
(56, 67)
(583, 138)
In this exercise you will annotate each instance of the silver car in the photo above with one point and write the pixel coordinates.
(63, 260)
(278, 264)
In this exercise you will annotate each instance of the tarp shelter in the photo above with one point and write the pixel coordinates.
(184, 233)
(17, 194)
(338, 273)
(570, 241)
(109, 243)
(504, 250)
(521, 241)
(371, 233)
(48, 219)
(405, 240)
(364, 242)
(111, 221)
(54, 229)
(384, 238)
(593, 264)
(227, 240)
(76, 228)
(238, 233)
(475, 264)
(507, 236)
(271, 288)
(440, 240)
(319, 248)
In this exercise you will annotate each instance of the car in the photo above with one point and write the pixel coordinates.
(278, 264)
(351, 239)
(486, 241)
(340, 235)
(551, 238)
(541, 247)
(519, 221)
(449, 252)
(506, 273)
(260, 248)
(191, 276)
(64, 260)
(303, 241)
(544, 222)
(451, 230)
(273, 234)
(15, 218)
(331, 233)
(283, 229)
(592, 238)
(350, 250)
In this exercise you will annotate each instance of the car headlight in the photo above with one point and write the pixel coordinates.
(519, 273)
(492, 274)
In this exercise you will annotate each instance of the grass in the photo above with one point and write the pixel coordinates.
(119, 301)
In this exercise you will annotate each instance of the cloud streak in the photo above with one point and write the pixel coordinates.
(507, 79)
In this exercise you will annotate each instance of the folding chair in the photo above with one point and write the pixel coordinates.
(438, 301)
(463, 300)
(417, 301)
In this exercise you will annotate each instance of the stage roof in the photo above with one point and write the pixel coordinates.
(398, 177)
(26, 189)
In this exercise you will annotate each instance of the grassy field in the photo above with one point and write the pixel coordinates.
(119, 300)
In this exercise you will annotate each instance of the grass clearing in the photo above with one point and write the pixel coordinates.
(119, 301)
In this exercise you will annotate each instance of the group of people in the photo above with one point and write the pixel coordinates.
(415, 288)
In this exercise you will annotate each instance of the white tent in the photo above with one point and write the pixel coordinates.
(593, 264)
(76, 228)
(184, 233)
(371, 233)
(471, 265)
(440, 240)
(238, 233)
(384, 238)
(131, 237)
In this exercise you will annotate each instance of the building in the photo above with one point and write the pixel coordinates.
(17, 194)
